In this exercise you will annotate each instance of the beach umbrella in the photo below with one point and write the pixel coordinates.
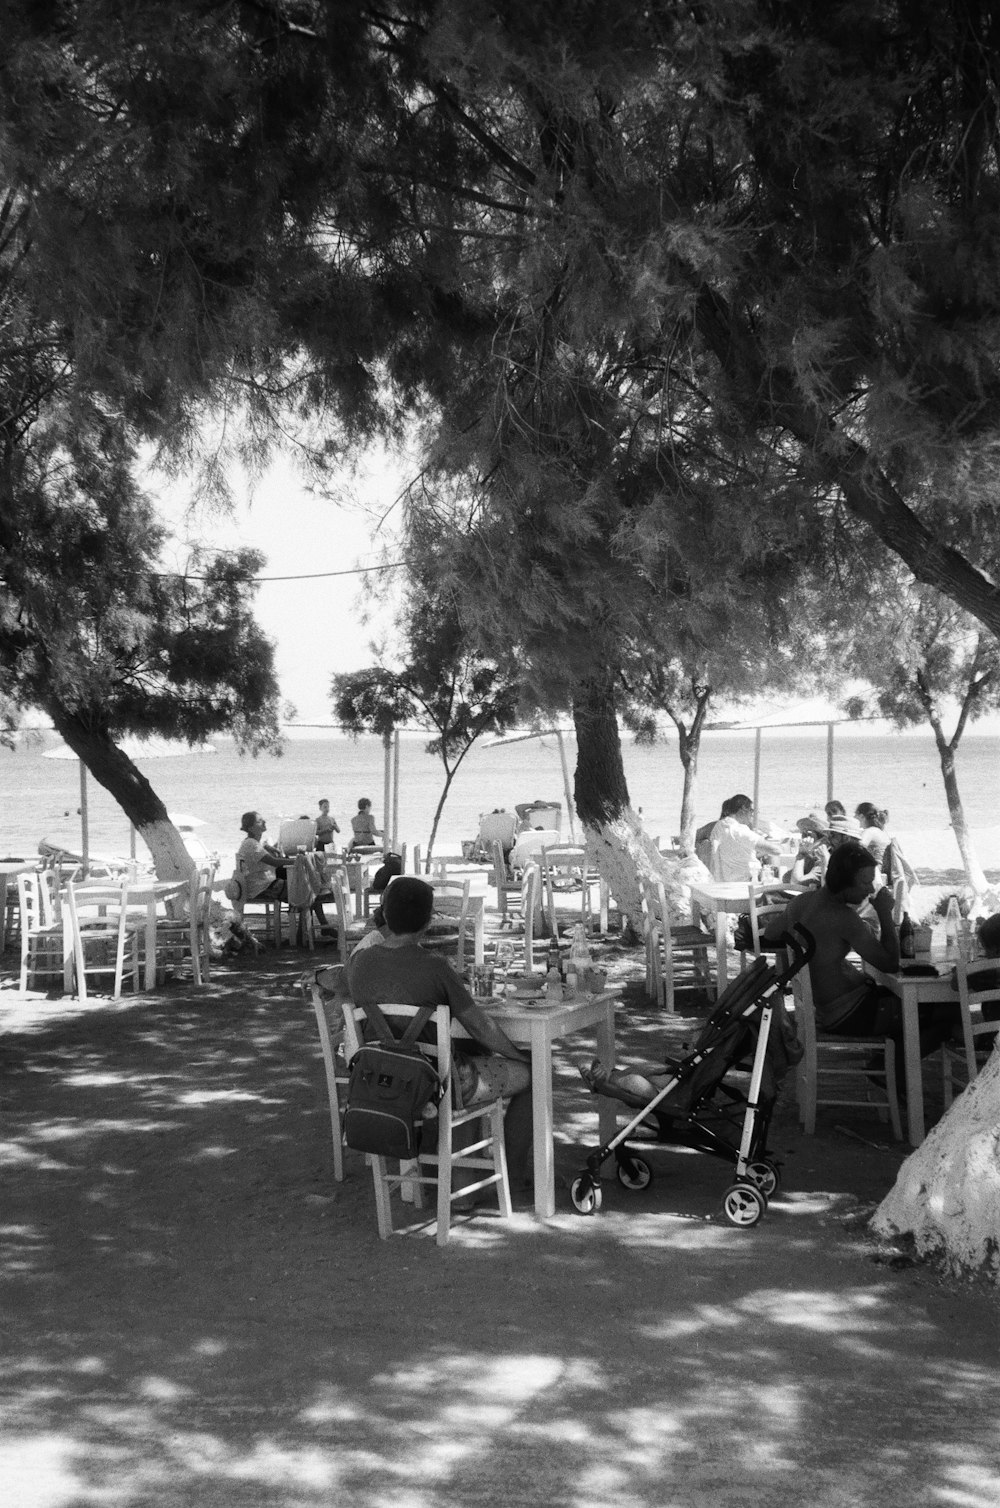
(184, 821)
(138, 750)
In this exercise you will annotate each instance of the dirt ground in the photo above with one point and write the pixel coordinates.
(196, 1313)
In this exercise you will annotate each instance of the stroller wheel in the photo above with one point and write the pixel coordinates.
(585, 1194)
(764, 1175)
(743, 1204)
(634, 1173)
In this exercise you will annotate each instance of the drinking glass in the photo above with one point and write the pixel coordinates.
(504, 959)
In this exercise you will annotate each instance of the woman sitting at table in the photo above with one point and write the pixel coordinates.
(814, 850)
(400, 972)
(363, 827)
(262, 868)
(885, 850)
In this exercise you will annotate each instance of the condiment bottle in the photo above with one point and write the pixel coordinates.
(907, 945)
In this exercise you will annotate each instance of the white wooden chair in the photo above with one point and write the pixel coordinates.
(102, 934)
(326, 988)
(271, 906)
(506, 887)
(41, 929)
(765, 906)
(837, 1070)
(437, 1167)
(665, 943)
(449, 924)
(187, 931)
(349, 929)
(567, 890)
(977, 986)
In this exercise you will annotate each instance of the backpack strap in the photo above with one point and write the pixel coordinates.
(384, 1031)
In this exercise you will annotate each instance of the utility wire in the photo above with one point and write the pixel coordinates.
(394, 565)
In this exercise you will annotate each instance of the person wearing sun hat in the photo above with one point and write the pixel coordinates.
(814, 848)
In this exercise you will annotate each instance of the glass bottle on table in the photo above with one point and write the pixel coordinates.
(952, 923)
(907, 941)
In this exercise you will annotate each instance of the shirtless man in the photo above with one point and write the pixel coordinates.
(848, 1002)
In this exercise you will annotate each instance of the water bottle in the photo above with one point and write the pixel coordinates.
(952, 922)
(553, 984)
(579, 949)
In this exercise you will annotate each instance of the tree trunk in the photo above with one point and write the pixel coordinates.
(947, 1193)
(449, 777)
(133, 792)
(690, 765)
(615, 837)
(966, 847)
(689, 747)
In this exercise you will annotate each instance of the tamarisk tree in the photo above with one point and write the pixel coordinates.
(442, 685)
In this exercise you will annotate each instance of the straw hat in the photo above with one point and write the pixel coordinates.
(816, 823)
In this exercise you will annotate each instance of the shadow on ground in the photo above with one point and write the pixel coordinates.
(198, 1314)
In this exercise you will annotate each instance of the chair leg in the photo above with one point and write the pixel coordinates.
(444, 1175)
(383, 1207)
(805, 1080)
(500, 1159)
(890, 1088)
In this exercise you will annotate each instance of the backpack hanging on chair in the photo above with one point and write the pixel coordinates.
(390, 1085)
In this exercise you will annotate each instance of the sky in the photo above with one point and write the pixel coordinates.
(320, 625)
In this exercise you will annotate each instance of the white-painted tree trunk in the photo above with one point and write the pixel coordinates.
(622, 850)
(947, 1194)
(171, 859)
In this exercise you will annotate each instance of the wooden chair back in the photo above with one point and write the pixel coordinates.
(483, 1156)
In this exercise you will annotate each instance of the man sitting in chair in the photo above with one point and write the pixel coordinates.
(401, 972)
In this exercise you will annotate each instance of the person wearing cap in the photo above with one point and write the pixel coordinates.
(401, 972)
(735, 845)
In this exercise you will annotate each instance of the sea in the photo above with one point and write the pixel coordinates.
(898, 770)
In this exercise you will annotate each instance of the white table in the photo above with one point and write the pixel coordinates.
(538, 1025)
(915, 990)
(142, 895)
(727, 898)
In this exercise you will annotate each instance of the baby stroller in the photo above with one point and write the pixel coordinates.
(704, 1107)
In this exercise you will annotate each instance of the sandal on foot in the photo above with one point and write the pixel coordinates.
(595, 1077)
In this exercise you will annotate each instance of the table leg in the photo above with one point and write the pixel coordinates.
(541, 1107)
(721, 951)
(479, 938)
(914, 1071)
(3, 913)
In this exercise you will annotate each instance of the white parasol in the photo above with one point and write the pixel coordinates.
(184, 822)
(138, 750)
